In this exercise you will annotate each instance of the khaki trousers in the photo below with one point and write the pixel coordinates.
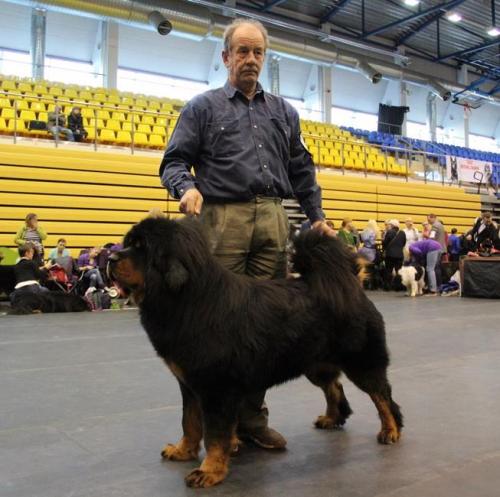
(249, 238)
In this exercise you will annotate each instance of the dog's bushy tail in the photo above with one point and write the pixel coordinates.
(330, 269)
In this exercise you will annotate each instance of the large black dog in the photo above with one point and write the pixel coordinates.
(28, 303)
(224, 336)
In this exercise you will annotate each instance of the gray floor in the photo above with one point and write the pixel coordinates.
(85, 408)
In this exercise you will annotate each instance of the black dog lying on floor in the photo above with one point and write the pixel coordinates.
(28, 303)
(224, 336)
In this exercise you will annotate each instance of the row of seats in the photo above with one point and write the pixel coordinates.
(98, 96)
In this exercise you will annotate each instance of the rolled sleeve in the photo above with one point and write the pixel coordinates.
(181, 153)
(302, 174)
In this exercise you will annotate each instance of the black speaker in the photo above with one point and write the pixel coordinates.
(390, 118)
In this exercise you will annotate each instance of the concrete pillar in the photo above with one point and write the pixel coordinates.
(325, 91)
(273, 64)
(466, 127)
(431, 115)
(105, 58)
(38, 35)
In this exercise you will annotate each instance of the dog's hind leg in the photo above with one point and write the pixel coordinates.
(189, 445)
(376, 385)
(337, 406)
(220, 416)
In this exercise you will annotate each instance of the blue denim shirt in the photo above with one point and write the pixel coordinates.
(240, 149)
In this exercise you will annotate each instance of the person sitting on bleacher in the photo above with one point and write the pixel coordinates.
(60, 250)
(32, 232)
(28, 273)
(75, 124)
(87, 262)
(56, 124)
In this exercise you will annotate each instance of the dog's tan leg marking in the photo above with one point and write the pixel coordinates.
(189, 445)
(331, 417)
(389, 432)
(213, 469)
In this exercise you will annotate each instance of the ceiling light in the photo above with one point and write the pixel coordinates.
(454, 17)
(412, 3)
(493, 31)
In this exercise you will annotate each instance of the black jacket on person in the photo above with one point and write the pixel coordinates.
(393, 243)
(27, 270)
(75, 122)
(489, 232)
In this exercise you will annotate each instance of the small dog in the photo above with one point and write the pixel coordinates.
(413, 277)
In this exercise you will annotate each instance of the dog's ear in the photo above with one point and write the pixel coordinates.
(177, 275)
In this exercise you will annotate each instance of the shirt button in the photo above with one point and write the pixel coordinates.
(260, 145)
(254, 125)
(251, 108)
(265, 166)
(222, 128)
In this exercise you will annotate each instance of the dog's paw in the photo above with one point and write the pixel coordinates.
(328, 423)
(203, 479)
(388, 437)
(176, 453)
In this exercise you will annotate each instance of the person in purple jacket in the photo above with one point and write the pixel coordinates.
(426, 252)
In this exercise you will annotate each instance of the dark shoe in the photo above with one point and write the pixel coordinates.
(266, 438)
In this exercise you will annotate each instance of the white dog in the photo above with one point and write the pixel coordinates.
(413, 278)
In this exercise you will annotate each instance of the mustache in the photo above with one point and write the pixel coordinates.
(250, 68)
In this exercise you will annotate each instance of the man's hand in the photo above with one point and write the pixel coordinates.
(321, 226)
(191, 202)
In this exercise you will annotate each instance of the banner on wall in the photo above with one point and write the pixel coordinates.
(469, 170)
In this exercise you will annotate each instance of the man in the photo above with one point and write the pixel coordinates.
(438, 234)
(411, 232)
(484, 229)
(56, 124)
(247, 152)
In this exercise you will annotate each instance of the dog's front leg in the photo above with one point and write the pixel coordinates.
(219, 423)
(189, 445)
(413, 289)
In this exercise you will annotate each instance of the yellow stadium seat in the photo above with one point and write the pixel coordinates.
(103, 114)
(123, 137)
(100, 97)
(113, 124)
(126, 126)
(154, 105)
(43, 116)
(119, 116)
(148, 119)
(37, 106)
(3, 125)
(113, 99)
(70, 93)
(24, 87)
(157, 140)
(141, 139)
(107, 135)
(167, 107)
(85, 95)
(97, 122)
(9, 85)
(88, 113)
(5, 103)
(27, 115)
(90, 134)
(141, 103)
(143, 128)
(161, 121)
(8, 113)
(40, 89)
(16, 126)
(159, 130)
(55, 91)
(21, 104)
(128, 101)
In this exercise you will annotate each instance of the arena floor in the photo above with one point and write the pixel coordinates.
(85, 408)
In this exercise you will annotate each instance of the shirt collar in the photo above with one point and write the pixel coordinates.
(231, 91)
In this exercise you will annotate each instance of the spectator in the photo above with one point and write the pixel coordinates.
(454, 246)
(87, 263)
(32, 232)
(427, 253)
(60, 250)
(437, 231)
(393, 245)
(484, 229)
(412, 234)
(346, 233)
(75, 124)
(57, 124)
(426, 230)
(369, 238)
(28, 273)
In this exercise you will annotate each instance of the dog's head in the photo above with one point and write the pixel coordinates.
(407, 274)
(159, 255)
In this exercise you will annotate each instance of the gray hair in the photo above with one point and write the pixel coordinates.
(229, 31)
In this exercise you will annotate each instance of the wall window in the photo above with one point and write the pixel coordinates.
(354, 119)
(160, 86)
(71, 72)
(15, 63)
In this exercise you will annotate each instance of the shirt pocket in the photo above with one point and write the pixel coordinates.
(224, 138)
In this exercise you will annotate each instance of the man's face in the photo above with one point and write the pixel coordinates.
(61, 245)
(245, 57)
(409, 224)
